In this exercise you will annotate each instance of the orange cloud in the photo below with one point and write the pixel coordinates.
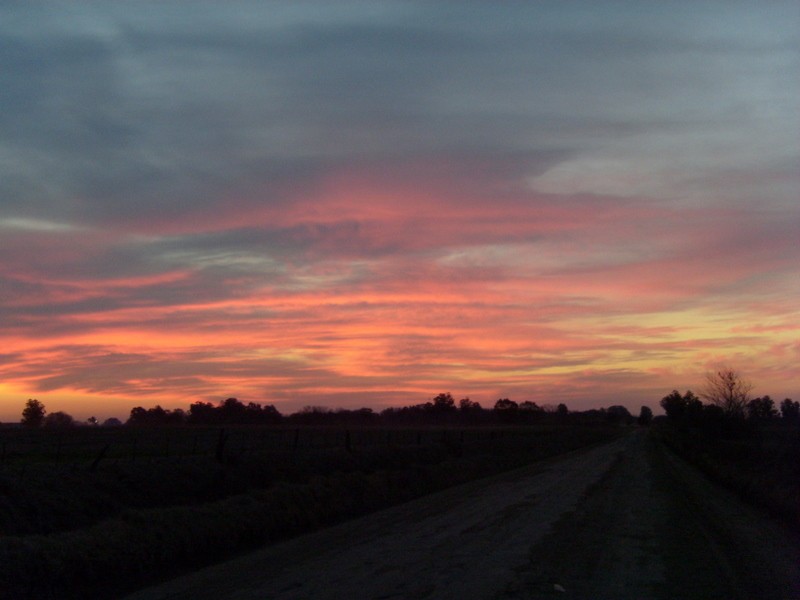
(363, 293)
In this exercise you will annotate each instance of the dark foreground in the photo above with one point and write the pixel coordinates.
(623, 520)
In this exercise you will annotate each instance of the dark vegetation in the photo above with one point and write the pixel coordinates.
(95, 511)
(744, 443)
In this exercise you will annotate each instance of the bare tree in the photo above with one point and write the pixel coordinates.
(727, 389)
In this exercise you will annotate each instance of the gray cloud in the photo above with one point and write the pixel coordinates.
(150, 153)
(112, 111)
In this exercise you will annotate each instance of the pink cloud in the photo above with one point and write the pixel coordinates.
(355, 289)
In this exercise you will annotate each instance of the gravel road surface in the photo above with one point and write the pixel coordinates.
(626, 520)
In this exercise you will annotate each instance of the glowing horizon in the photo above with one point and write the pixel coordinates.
(387, 204)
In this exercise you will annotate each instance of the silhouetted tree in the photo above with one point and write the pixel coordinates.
(562, 410)
(33, 414)
(155, 416)
(790, 410)
(470, 411)
(465, 405)
(619, 414)
(202, 413)
(727, 389)
(693, 407)
(344, 416)
(682, 408)
(407, 414)
(58, 420)
(645, 416)
(444, 403)
(232, 411)
(176, 416)
(761, 408)
(138, 415)
(112, 422)
(311, 415)
(529, 411)
(673, 405)
(506, 409)
(505, 404)
(256, 413)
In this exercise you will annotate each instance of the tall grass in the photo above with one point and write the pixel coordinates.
(763, 467)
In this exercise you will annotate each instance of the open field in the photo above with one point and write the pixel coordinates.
(481, 512)
(624, 520)
(92, 512)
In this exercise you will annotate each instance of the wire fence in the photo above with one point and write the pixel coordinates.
(90, 444)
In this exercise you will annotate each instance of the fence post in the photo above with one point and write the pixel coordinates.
(101, 456)
(220, 452)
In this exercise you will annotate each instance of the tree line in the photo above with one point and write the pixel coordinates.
(728, 403)
(442, 409)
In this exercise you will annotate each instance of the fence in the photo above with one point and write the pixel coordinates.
(92, 444)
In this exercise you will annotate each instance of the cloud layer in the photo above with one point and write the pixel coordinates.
(370, 203)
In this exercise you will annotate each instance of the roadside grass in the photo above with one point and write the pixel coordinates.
(763, 468)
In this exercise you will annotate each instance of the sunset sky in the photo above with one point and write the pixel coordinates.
(367, 203)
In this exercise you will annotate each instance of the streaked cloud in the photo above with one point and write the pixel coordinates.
(369, 203)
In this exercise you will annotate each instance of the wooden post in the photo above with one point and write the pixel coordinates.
(220, 452)
(101, 456)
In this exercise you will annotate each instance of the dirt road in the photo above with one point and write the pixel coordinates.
(624, 520)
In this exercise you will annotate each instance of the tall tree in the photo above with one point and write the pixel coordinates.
(790, 409)
(761, 408)
(58, 420)
(686, 408)
(444, 402)
(33, 413)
